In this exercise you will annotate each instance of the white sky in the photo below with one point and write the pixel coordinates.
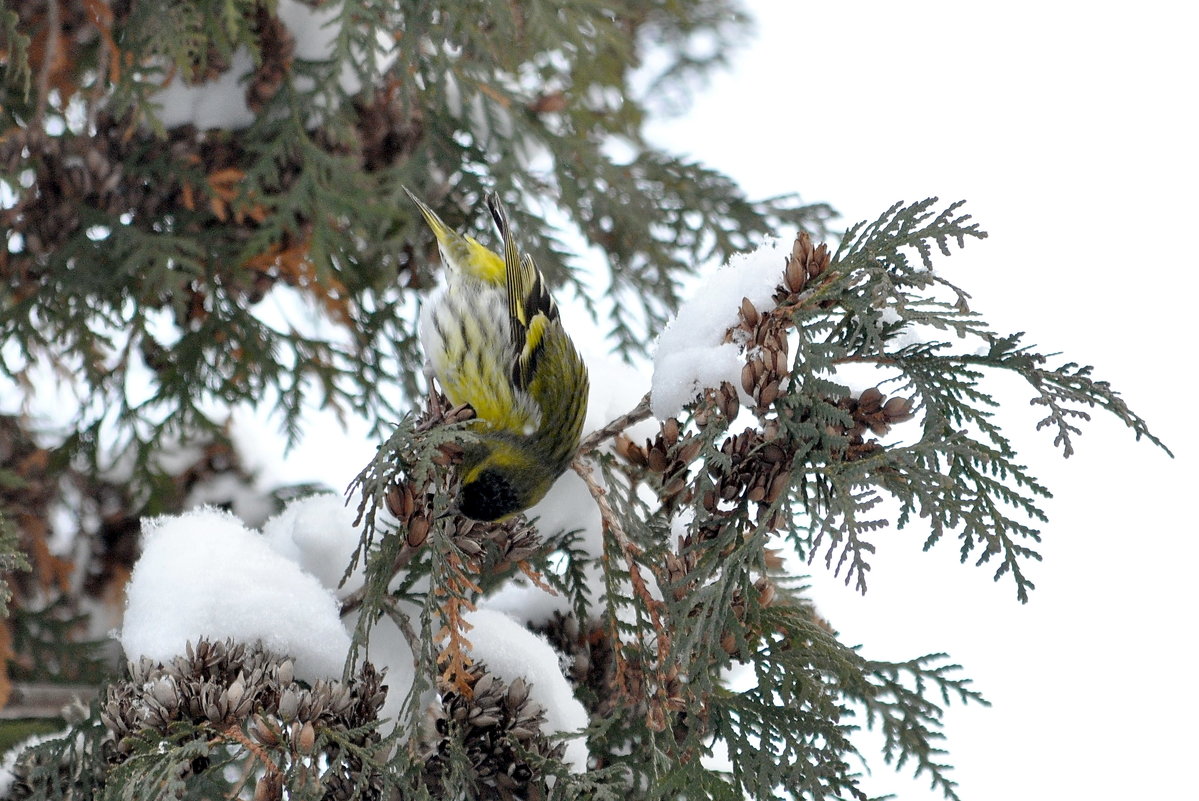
(1070, 129)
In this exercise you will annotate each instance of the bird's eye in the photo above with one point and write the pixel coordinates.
(489, 497)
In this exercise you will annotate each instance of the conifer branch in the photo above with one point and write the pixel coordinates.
(139, 248)
(635, 415)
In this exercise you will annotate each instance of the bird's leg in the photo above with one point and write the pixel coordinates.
(460, 413)
(439, 412)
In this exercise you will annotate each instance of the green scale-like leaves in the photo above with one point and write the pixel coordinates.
(886, 308)
(151, 256)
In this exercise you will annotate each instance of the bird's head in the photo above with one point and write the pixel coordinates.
(506, 480)
(462, 253)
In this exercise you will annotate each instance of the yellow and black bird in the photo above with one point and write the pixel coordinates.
(494, 340)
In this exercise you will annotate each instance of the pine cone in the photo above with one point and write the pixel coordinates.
(220, 684)
(492, 728)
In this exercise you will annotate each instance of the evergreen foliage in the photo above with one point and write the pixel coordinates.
(138, 251)
(692, 585)
(11, 557)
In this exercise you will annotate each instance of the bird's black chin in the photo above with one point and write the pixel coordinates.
(491, 496)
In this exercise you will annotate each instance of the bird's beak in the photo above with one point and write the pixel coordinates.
(443, 233)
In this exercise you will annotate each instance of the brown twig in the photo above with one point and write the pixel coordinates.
(404, 624)
(355, 599)
(234, 732)
(49, 54)
(629, 551)
(535, 577)
(635, 415)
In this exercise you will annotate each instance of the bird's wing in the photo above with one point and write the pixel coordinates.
(464, 332)
(531, 310)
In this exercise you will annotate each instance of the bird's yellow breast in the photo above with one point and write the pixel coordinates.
(467, 338)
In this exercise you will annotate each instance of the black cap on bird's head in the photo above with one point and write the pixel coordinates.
(490, 496)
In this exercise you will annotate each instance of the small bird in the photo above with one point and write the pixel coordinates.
(494, 340)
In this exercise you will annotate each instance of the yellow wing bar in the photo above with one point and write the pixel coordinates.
(530, 307)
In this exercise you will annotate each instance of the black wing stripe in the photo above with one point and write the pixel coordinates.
(539, 300)
(528, 298)
(511, 271)
(523, 370)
